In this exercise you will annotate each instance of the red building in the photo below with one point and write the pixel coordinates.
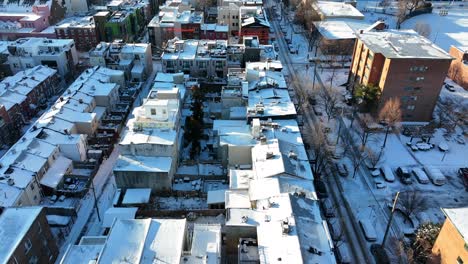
(22, 95)
(255, 26)
(214, 32)
(81, 29)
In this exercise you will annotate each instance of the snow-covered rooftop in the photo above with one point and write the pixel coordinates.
(55, 173)
(143, 163)
(216, 197)
(137, 196)
(118, 213)
(402, 44)
(82, 254)
(14, 224)
(144, 241)
(206, 245)
(330, 9)
(458, 217)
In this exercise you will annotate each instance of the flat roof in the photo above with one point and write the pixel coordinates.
(459, 218)
(137, 196)
(402, 44)
(216, 197)
(337, 9)
(206, 245)
(14, 224)
(144, 241)
(82, 254)
(118, 213)
(143, 163)
(55, 173)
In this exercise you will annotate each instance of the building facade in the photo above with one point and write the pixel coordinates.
(58, 54)
(81, 29)
(134, 59)
(26, 236)
(458, 71)
(451, 246)
(404, 65)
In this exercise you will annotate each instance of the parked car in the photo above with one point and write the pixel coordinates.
(327, 207)
(335, 230)
(463, 172)
(342, 169)
(380, 185)
(435, 175)
(387, 173)
(420, 175)
(321, 189)
(368, 230)
(404, 175)
(375, 173)
(342, 254)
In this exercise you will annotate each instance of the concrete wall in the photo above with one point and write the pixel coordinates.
(157, 181)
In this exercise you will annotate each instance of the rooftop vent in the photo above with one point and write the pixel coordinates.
(269, 155)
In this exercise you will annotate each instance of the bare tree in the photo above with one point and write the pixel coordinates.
(302, 92)
(423, 29)
(368, 126)
(357, 159)
(450, 113)
(390, 114)
(373, 158)
(319, 151)
(329, 99)
(412, 202)
(385, 4)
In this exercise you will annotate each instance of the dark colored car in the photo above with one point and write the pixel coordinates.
(463, 173)
(404, 175)
(321, 189)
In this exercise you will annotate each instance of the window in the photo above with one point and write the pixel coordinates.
(233, 24)
(153, 111)
(27, 246)
(419, 78)
(33, 260)
(40, 228)
(164, 111)
(410, 107)
(459, 260)
(408, 89)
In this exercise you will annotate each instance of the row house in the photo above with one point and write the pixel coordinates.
(135, 59)
(81, 29)
(199, 58)
(58, 54)
(214, 32)
(22, 95)
(171, 23)
(29, 18)
(254, 22)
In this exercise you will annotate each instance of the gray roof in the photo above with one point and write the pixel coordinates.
(402, 44)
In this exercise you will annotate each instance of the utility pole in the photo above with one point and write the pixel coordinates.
(95, 200)
(390, 220)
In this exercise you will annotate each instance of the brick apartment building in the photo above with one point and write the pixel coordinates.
(402, 64)
(26, 236)
(21, 96)
(459, 68)
(81, 29)
(254, 23)
(451, 246)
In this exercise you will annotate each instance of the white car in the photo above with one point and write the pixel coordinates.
(387, 173)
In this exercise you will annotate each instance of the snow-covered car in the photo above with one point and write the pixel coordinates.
(368, 229)
(380, 185)
(420, 175)
(375, 173)
(387, 173)
(328, 209)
